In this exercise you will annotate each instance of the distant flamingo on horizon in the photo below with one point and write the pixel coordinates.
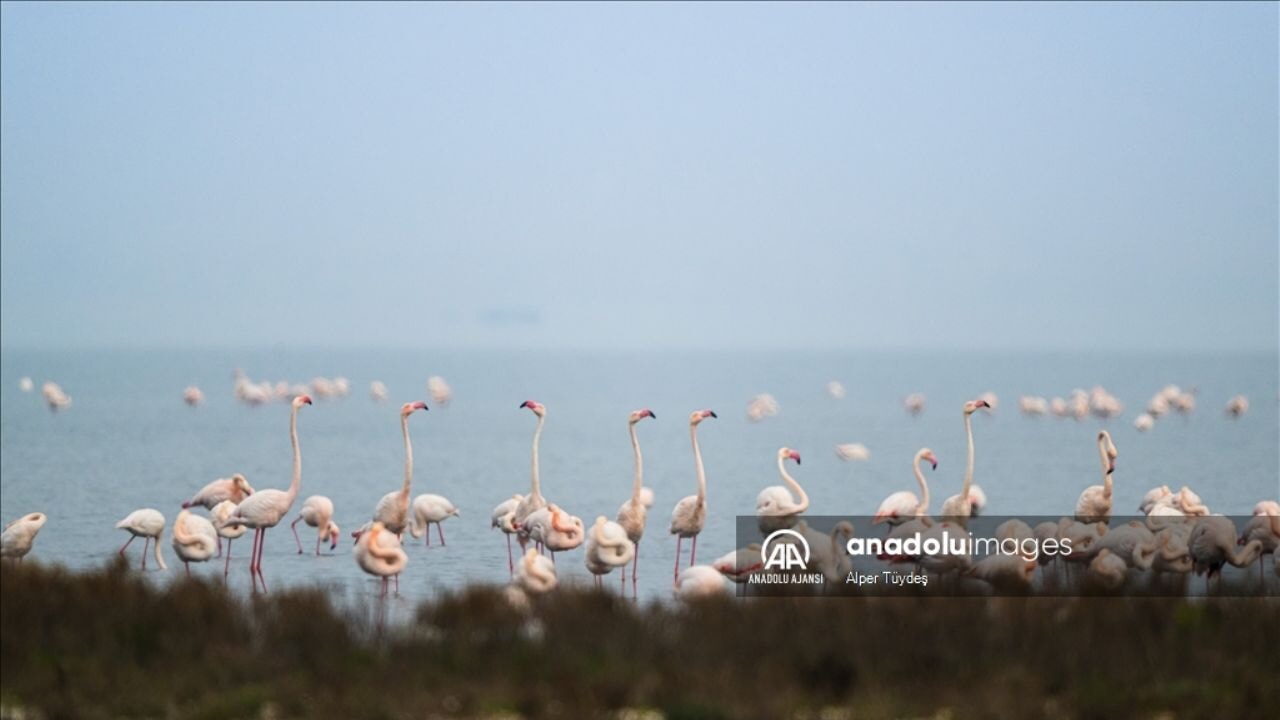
(690, 514)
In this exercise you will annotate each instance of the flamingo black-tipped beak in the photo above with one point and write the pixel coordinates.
(712, 413)
(935, 465)
(653, 415)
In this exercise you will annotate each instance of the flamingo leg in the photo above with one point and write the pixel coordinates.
(511, 564)
(146, 541)
(187, 564)
(693, 553)
(675, 574)
(262, 546)
(294, 527)
(397, 583)
(635, 566)
(317, 546)
(427, 535)
(219, 547)
(440, 532)
(226, 567)
(126, 545)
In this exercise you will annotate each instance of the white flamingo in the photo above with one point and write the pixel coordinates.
(904, 505)
(534, 500)
(428, 509)
(555, 529)
(1094, 504)
(194, 539)
(739, 564)
(20, 535)
(393, 509)
(503, 518)
(700, 581)
(265, 509)
(378, 553)
(221, 513)
(536, 574)
(192, 396)
(608, 547)
(959, 508)
(634, 513)
(234, 488)
(317, 512)
(690, 514)
(147, 524)
(1107, 570)
(776, 507)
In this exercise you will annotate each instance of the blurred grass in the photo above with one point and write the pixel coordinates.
(106, 644)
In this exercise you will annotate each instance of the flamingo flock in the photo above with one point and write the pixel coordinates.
(1167, 543)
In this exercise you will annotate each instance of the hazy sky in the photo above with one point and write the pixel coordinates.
(1006, 176)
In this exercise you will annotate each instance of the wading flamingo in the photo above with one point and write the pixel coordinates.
(700, 581)
(776, 508)
(234, 488)
(635, 511)
(317, 512)
(608, 547)
(959, 508)
(1107, 570)
(904, 505)
(428, 509)
(503, 518)
(265, 509)
(1213, 544)
(20, 535)
(220, 514)
(1094, 504)
(534, 500)
(690, 514)
(555, 529)
(378, 553)
(739, 564)
(393, 509)
(536, 574)
(147, 524)
(194, 539)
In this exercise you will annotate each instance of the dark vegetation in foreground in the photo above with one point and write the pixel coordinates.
(108, 644)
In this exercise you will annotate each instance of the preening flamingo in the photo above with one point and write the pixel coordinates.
(776, 508)
(1132, 542)
(690, 514)
(1213, 544)
(534, 500)
(317, 512)
(147, 524)
(536, 574)
(1107, 570)
(904, 505)
(265, 509)
(739, 564)
(194, 539)
(503, 518)
(1155, 496)
(393, 509)
(1007, 573)
(699, 581)
(608, 547)
(428, 509)
(220, 514)
(234, 488)
(634, 513)
(20, 535)
(1094, 504)
(959, 508)
(378, 553)
(554, 528)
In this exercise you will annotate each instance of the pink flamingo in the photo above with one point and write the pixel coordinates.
(393, 509)
(904, 505)
(690, 514)
(633, 514)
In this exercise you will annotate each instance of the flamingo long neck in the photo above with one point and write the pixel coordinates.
(296, 483)
(803, 503)
(157, 543)
(377, 550)
(636, 484)
(924, 486)
(1245, 555)
(968, 468)
(536, 484)
(408, 458)
(1106, 465)
(697, 461)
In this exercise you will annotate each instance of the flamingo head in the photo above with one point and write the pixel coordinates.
(535, 407)
(301, 400)
(927, 454)
(698, 416)
(788, 454)
(333, 533)
(37, 518)
(1104, 441)
(973, 405)
(641, 414)
(373, 531)
(409, 407)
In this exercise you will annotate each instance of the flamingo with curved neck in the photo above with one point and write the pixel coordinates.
(960, 507)
(904, 505)
(690, 514)
(633, 514)
(1094, 504)
(378, 552)
(777, 506)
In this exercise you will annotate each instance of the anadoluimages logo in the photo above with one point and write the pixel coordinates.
(780, 553)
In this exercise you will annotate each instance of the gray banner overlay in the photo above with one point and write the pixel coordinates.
(1161, 556)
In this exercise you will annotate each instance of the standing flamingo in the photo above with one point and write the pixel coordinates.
(608, 547)
(904, 505)
(1213, 544)
(427, 509)
(690, 514)
(20, 535)
(536, 574)
(378, 552)
(1094, 504)
(234, 488)
(959, 508)
(634, 513)
(221, 513)
(393, 509)
(265, 509)
(503, 518)
(317, 512)
(194, 539)
(700, 581)
(147, 524)
(776, 508)
(534, 500)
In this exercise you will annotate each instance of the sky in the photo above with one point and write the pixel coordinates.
(1009, 177)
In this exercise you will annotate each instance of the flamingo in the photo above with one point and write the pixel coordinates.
(690, 514)
(221, 513)
(427, 509)
(977, 500)
(1155, 496)
(26, 385)
(234, 488)
(1266, 530)
(148, 524)
(914, 403)
(1007, 573)
(378, 553)
(377, 391)
(1133, 543)
(441, 393)
(20, 535)
(775, 506)
(903, 505)
(1095, 502)
(393, 509)
(192, 396)
(699, 581)
(608, 546)
(265, 509)
(960, 507)
(1237, 406)
(534, 500)
(1189, 502)
(503, 518)
(317, 512)
(55, 396)
(536, 574)
(739, 564)
(1107, 570)
(194, 539)
(1213, 544)
(554, 528)
(634, 513)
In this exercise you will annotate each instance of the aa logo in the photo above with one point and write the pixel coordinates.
(785, 550)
